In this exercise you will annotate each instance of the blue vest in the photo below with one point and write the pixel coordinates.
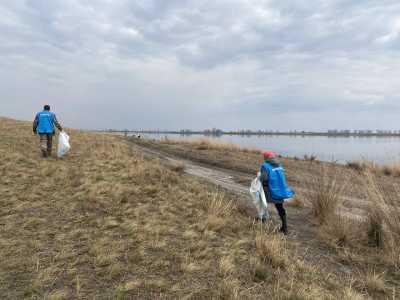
(277, 185)
(46, 122)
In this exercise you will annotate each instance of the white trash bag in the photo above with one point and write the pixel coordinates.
(258, 196)
(63, 144)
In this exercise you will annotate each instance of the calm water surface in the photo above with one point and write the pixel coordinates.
(340, 149)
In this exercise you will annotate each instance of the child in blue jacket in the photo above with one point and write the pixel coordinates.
(274, 184)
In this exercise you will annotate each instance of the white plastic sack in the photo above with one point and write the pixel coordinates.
(63, 144)
(258, 196)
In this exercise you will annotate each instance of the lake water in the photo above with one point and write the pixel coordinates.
(341, 149)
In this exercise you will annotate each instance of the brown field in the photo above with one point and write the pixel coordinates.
(106, 222)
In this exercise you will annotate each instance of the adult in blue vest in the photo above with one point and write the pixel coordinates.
(44, 124)
(274, 184)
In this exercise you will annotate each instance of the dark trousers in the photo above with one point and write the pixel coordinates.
(282, 213)
(281, 210)
(279, 207)
(46, 144)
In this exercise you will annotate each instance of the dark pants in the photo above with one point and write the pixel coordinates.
(282, 213)
(281, 210)
(46, 144)
(279, 207)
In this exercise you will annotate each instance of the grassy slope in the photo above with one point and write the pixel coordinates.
(104, 222)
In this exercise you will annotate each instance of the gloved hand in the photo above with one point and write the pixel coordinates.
(34, 131)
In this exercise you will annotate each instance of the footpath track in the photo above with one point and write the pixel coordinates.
(220, 177)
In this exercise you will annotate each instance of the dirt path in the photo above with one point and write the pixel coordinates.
(219, 177)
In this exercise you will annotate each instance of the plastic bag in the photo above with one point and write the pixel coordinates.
(258, 196)
(63, 144)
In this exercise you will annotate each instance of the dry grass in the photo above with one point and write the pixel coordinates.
(218, 205)
(311, 157)
(380, 228)
(325, 193)
(219, 212)
(228, 289)
(384, 218)
(361, 165)
(342, 231)
(107, 223)
(271, 249)
(389, 169)
(227, 266)
(350, 294)
(375, 283)
(392, 169)
(212, 144)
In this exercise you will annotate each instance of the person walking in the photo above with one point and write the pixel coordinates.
(44, 124)
(275, 187)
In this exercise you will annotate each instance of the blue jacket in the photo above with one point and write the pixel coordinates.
(45, 121)
(276, 182)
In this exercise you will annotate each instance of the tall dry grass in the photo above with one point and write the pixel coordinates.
(384, 218)
(325, 191)
(375, 283)
(388, 169)
(391, 169)
(380, 227)
(342, 231)
(212, 144)
(219, 211)
(271, 248)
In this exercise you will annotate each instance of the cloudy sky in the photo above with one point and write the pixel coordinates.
(276, 64)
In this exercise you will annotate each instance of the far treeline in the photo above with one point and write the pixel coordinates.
(219, 132)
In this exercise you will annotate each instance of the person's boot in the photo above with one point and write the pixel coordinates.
(44, 154)
(284, 228)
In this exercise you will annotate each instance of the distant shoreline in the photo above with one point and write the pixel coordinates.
(234, 133)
